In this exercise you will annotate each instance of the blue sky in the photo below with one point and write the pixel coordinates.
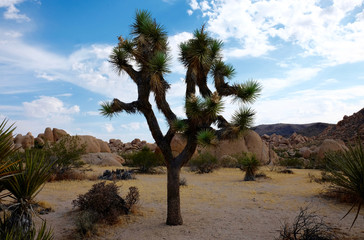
(54, 71)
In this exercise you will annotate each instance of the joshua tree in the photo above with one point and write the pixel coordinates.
(201, 56)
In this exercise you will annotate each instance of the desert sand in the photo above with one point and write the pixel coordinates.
(218, 205)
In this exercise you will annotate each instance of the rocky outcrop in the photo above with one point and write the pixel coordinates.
(93, 145)
(103, 159)
(348, 129)
(117, 146)
(286, 130)
(251, 142)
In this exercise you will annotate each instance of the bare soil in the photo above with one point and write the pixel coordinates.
(218, 205)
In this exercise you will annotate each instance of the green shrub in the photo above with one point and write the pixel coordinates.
(85, 223)
(65, 154)
(249, 163)
(227, 161)
(104, 200)
(347, 174)
(145, 160)
(204, 163)
(291, 162)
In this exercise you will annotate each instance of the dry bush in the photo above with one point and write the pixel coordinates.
(183, 181)
(307, 226)
(104, 200)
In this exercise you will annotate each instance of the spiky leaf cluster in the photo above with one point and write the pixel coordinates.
(347, 174)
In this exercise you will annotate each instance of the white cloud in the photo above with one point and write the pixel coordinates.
(93, 113)
(46, 107)
(291, 77)
(109, 127)
(11, 11)
(133, 126)
(310, 106)
(174, 42)
(334, 32)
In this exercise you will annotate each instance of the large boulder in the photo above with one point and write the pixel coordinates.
(58, 134)
(330, 145)
(39, 142)
(27, 141)
(103, 159)
(177, 144)
(104, 147)
(48, 135)
(93, 145)
(255, 145)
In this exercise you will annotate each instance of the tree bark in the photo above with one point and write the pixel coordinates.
(174, 216)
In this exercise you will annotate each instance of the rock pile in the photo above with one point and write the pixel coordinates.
(302, 146)
(119, 174)
(93, 145)
(117, 146)
(348, 129)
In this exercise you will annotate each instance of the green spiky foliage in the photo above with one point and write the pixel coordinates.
(16, 233)
(34, 171)
(7, 149)
(206, 137)
(347, 174)
(147, 48)
(249, 163)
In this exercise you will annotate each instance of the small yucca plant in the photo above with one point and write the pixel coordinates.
(249, 163)
(347, 174)
(34, 171)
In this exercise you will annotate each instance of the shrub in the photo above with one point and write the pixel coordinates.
(347, 174)
(145, 160)
(307, 226)
(227, 161)
(249, 163)
(183, 181)
(291, 162)
(85, 223)
(204, 163)
(104, 200)
(65, 154)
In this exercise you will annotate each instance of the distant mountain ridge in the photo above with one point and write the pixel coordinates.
(286, 129)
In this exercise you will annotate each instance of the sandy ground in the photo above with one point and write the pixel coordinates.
(214, 206)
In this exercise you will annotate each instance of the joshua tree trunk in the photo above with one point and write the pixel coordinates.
(174, 216)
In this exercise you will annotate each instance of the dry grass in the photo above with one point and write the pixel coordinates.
(219, 205)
